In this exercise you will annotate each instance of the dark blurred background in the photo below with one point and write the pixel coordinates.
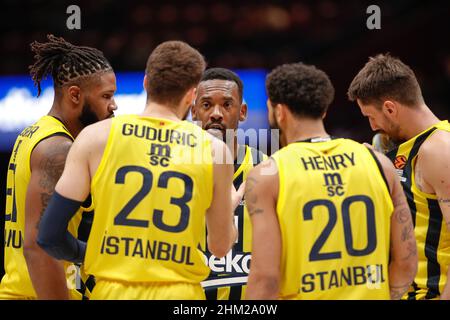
(247, 35)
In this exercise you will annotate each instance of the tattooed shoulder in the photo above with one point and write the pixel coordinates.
(51, 164)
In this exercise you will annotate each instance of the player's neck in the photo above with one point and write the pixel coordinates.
(72, 124)
(303, 129)
(418, 121)
(156, 110)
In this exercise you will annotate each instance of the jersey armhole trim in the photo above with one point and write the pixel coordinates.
(280, 205)
(55, 134)
(380, 168)
(104, 158)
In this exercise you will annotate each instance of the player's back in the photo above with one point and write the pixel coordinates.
(334, 210)
(151, 191)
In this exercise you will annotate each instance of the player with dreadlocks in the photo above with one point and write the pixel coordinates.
(84, 86)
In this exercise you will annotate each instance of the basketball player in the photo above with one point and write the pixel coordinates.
(219, 107)
(388, 93)
(150, 204)
(84, 85)
(329, 217)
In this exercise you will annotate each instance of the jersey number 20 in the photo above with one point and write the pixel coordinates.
(315, 254)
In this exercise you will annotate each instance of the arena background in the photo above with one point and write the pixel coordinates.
(246, 36)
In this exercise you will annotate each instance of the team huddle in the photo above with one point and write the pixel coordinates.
(153, 206)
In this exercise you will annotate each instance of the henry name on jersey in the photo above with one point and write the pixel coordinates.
(334, 162)
(333, 181)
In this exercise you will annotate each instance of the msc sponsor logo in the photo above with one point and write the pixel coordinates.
(334, 184)
(160, 154)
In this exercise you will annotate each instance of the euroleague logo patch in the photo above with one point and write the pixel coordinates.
(400, 162)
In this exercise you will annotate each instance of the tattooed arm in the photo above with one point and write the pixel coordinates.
(261, 194)
(403, 250)
(47, 164)
(433, 176)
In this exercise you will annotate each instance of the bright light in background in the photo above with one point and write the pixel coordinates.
(19, 106)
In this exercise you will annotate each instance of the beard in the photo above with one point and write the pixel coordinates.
(87, 116)
(394, 133)
(396, 138)
(273, 123)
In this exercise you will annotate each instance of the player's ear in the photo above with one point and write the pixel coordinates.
(144, 82)
(324, 115)
(74, 93)
(280, 112)
(194, 112)
(389, 108)
(268, 104)
(190, 96)
(243, 112)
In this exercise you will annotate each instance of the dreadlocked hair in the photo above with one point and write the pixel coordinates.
(64, 61)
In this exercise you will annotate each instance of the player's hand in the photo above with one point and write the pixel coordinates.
(236, 196)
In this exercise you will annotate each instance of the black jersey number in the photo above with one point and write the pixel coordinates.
(316, 254)
(122, 219)
(12, 191)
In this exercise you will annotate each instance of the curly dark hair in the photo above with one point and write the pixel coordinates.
(172, 69)
(304, 89)
(65, 62)
(385, 77)
(224, 74)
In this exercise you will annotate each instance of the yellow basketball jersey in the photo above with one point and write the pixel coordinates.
(229, 274)
(16, 283)
(151, 191)
(334, 211)
(433, 239)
